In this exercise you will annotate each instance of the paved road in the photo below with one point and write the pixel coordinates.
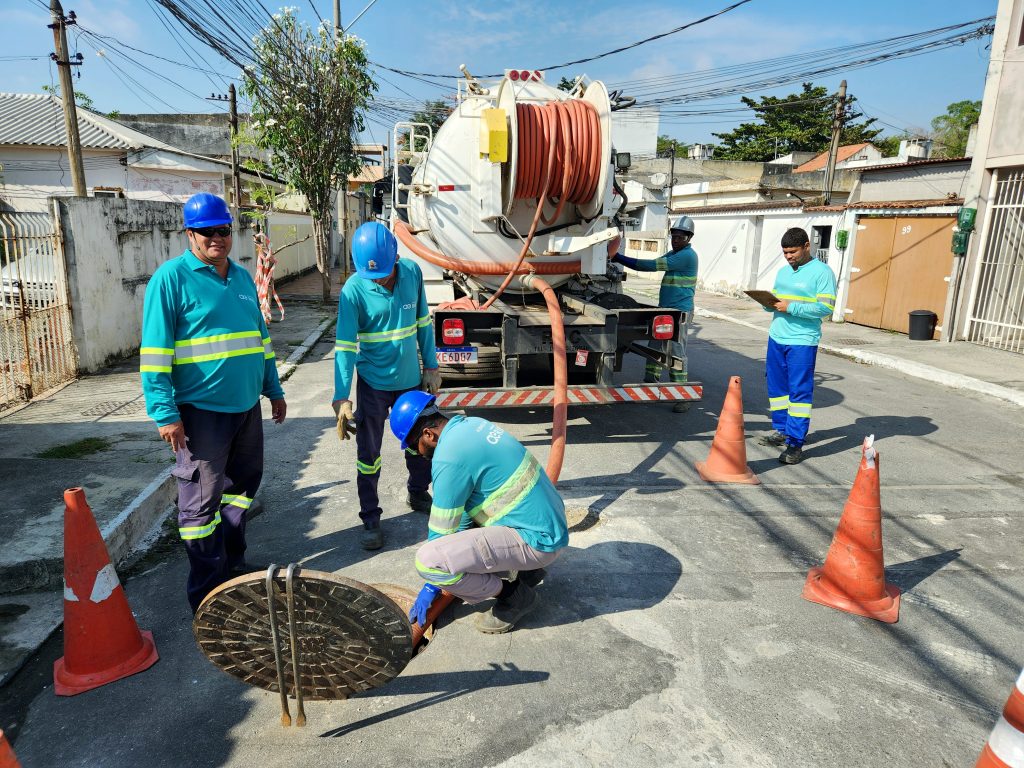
(672, 630)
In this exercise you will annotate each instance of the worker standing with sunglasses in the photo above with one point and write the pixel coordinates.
(205, 360)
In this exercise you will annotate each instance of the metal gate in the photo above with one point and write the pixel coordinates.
(36, 346)
(997, 307)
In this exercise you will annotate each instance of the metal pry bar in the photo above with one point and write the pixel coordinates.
(275, 639)
(300, 713)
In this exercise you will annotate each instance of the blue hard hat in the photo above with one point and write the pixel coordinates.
(407, 410)
(206, 210)
(374, 251)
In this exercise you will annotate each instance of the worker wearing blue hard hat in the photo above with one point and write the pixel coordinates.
(205, 360)
(384, 332)
(494, 512)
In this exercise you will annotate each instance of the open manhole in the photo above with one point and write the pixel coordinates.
(580, 518)
(350, 637)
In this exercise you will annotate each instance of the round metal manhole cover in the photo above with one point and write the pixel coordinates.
(350, 636)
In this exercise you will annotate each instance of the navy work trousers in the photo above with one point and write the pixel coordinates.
(218, 474)
(372, 408)
(789, 370)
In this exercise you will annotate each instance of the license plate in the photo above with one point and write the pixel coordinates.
(457, 355)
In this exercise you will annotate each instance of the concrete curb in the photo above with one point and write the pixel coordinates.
(126, 530)
(287, 368)
(908, 367)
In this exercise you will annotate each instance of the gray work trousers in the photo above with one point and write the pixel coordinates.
(482, 556)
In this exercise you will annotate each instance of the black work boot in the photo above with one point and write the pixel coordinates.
(532, 578)
(372, 536)
(507, 611)
(792, 455)
(420, 501)
(774, 439)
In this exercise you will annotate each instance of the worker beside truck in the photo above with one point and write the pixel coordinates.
(677, 289)
(384, 331)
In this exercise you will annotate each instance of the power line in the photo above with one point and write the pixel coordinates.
(596, 56)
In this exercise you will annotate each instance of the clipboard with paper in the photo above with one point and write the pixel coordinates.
(764, 298)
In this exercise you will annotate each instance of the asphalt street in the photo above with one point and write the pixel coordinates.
(671, 632)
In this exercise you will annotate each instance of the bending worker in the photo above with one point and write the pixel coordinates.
(205, 360)
(494, 511)
(384, 330)
(806, 290)
(677, 288)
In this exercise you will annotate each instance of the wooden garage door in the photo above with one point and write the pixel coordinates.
(869, 273)
(900, 264)
(921, 262)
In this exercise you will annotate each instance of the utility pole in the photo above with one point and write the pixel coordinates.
(833, 150)
(236, 177)
(337, 19)
(67, 93)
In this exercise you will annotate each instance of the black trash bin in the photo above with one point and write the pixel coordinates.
(922, 324)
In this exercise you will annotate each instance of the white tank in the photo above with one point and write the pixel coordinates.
(462, 204)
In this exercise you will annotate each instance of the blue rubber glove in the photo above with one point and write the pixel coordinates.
(418, 612)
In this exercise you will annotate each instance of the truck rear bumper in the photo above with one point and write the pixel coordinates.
(502, 397)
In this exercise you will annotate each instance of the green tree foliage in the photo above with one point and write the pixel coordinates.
(666, 144)
(434, 113)
(81, 99)
(309, 90)
(953, 128)
(800, 122)
(566, 83)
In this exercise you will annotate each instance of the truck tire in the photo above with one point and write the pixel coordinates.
(488, 366)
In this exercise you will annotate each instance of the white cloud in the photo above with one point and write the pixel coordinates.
(108, 18)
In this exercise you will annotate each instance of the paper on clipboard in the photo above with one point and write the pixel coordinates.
(764, 298)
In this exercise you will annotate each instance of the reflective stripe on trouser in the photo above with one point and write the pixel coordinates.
(372, 407)
(470, 563)
(789, 370)
(218, 474)
(652, 371)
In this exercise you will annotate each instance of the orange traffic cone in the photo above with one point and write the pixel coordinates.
(853, 577)
(1005, 747)
(102, 642)
(727, 461)
(7, 757)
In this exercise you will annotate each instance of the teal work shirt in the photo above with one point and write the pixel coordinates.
(810, 290)
(380, 331)
(680, 280)
(204, 341)
(483, 475)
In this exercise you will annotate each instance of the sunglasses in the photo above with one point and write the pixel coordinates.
(211, 231)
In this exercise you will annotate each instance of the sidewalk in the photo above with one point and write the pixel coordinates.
(124, 467)
(960, 365)
(94, 433)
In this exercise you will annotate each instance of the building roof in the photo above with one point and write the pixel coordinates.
(368, 174)
(771, 205)
(37, 120)
(931, 203)
(818, 163)
(915, 162)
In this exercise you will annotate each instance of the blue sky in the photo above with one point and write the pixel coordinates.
(438, 35)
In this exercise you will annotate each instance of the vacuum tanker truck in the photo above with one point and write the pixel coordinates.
(510, 209)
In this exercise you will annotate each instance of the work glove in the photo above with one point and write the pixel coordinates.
(418, 612)
(346, 420)
(431, 381)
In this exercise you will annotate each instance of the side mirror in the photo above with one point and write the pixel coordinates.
(623, 161)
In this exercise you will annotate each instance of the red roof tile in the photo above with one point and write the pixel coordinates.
(818, 163)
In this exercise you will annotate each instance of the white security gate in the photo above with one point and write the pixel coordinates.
(996, 318)
(36, 346)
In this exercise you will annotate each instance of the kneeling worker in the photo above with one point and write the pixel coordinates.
(494, 510)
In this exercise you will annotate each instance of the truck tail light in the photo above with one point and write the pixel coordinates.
(662, 328)
(453, 331)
